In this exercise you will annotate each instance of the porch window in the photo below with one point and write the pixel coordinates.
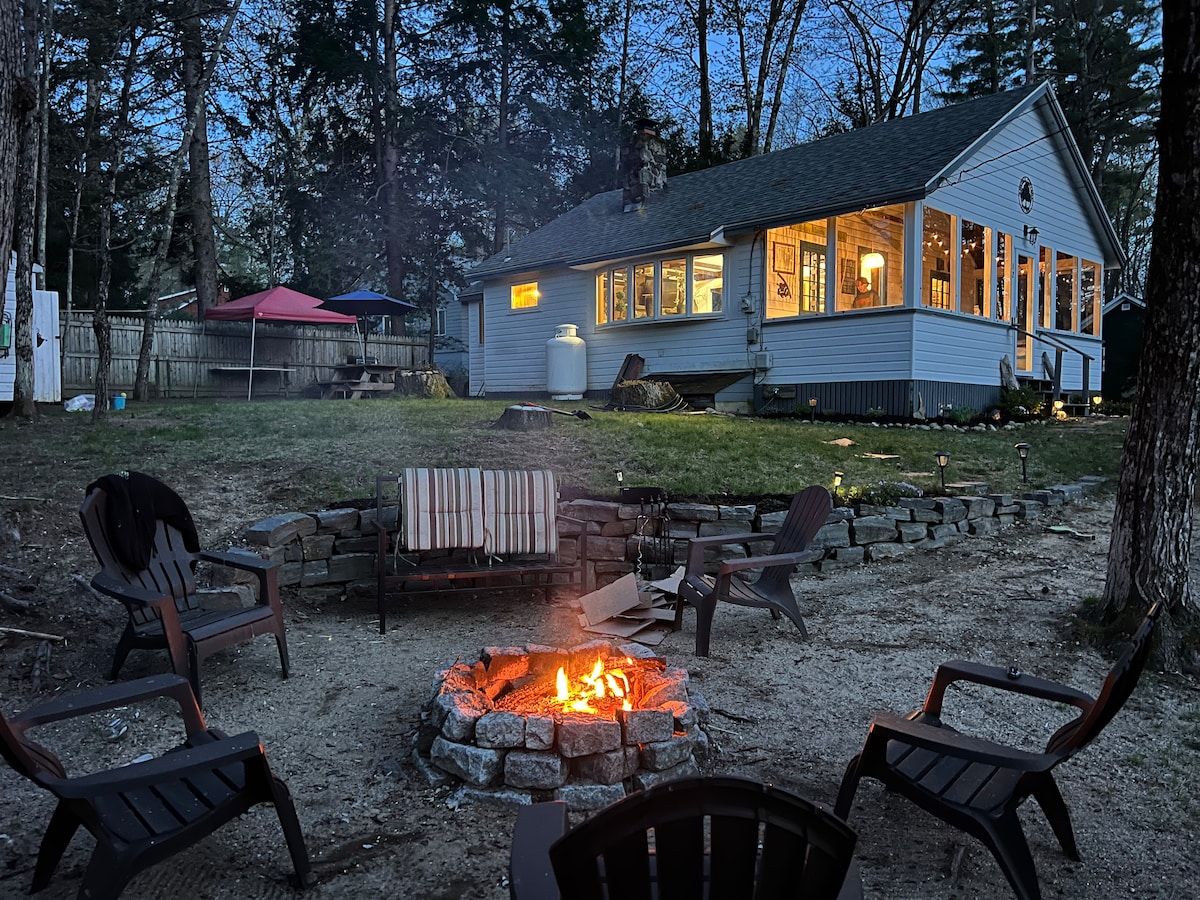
(936, 262)
(973, 265)
(1064, 292)
(870, 255)
(670, 289)
(1045, 288)
(795, 272)
(1089, 298)
(1002, 272)
(524, 296)
(603, 298)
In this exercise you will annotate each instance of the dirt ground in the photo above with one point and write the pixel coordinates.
(792, 712)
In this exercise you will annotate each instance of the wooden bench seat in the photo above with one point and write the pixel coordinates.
(471, 529)
(354, 388)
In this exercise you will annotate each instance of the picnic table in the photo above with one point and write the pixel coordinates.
(282, 372)
(356, 380)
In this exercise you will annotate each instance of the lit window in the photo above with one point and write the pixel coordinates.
(973, 260)
(937, 240)
(653, 291)
(707, 274)
(524, 296)
(1089, 298)
(870, 260)
(795, 276)
(1064, 292)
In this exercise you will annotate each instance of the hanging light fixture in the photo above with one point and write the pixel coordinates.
(871, 261)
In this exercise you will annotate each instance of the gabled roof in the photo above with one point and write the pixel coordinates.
(1120, 299)
(892, 162)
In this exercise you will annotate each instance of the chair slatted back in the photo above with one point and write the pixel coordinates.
(1117, 687)
(442, 509)
(808, 512)
(171, 564)
(745, 838)
(520, 509)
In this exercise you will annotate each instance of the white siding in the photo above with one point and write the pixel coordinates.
(47, 371)
(985, 188)
(865, 346)
(960, 348)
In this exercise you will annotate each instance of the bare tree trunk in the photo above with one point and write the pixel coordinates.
(391, 155)
(141, 385)
(10, 123)
(705, 139)
(43, 177)
(100, 324)
(204, 239)
(23, 405)
(1150, 553)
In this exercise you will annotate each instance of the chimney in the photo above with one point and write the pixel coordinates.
(643, 165)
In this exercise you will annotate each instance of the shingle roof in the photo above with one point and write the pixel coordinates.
(891, 162)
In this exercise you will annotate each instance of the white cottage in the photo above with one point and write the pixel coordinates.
(891, 268)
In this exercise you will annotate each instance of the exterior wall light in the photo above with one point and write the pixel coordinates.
(1031, 233)
(1023, 452)
(943, 460)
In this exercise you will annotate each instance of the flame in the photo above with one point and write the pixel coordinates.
(598, 684)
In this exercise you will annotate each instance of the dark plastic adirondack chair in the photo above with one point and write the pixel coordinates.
(162, 601)
(763, 842)
(773, 588)
(976, 785)
(144, 812)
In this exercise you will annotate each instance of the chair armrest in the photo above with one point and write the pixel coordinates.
(763, 562)
(108, 696)
(249, 562)
(530, 874)
(266, 571)
(994, 676)
(176, 764)
(697, 546)
(886, 727)
(129, 593)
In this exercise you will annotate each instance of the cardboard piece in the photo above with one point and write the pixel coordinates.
(610, 600)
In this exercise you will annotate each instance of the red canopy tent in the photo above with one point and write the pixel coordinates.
(277, 304)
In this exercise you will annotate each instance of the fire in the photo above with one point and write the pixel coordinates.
(596, 685)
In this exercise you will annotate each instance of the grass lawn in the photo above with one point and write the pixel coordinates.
(332, 450)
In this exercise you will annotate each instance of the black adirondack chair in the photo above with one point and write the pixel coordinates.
(976, 785)
(763, 842)
(161, 597)
(772, 589)
(144, 812)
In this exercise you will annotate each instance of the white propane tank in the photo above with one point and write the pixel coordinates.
(566, 364)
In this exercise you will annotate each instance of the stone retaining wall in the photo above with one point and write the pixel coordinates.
(331, 553)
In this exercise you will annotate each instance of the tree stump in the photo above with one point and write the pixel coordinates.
(429, 384)
(524, 418)
(644, 394)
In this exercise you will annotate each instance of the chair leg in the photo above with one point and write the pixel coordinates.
(846, 792)
(706, 608)
(281, 642)
(106, 876)
(286, 811)
(792, 611)
(124, 645)
(1006, 840)
(193, 666)
(63, 825)
(1051, 801)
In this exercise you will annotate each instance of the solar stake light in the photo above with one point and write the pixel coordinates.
(837, 479)
(1023, 452)
(943, 460)
(812, 409)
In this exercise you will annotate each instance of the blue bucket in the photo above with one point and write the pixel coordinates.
(118, 402)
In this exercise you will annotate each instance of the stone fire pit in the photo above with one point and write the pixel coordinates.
(495, 724)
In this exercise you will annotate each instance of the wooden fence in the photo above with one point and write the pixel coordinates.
(209, 359)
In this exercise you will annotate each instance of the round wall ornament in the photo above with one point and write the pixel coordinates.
(1025, 194)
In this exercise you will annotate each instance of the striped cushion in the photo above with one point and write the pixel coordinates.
(520, 511)
(443, 508)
